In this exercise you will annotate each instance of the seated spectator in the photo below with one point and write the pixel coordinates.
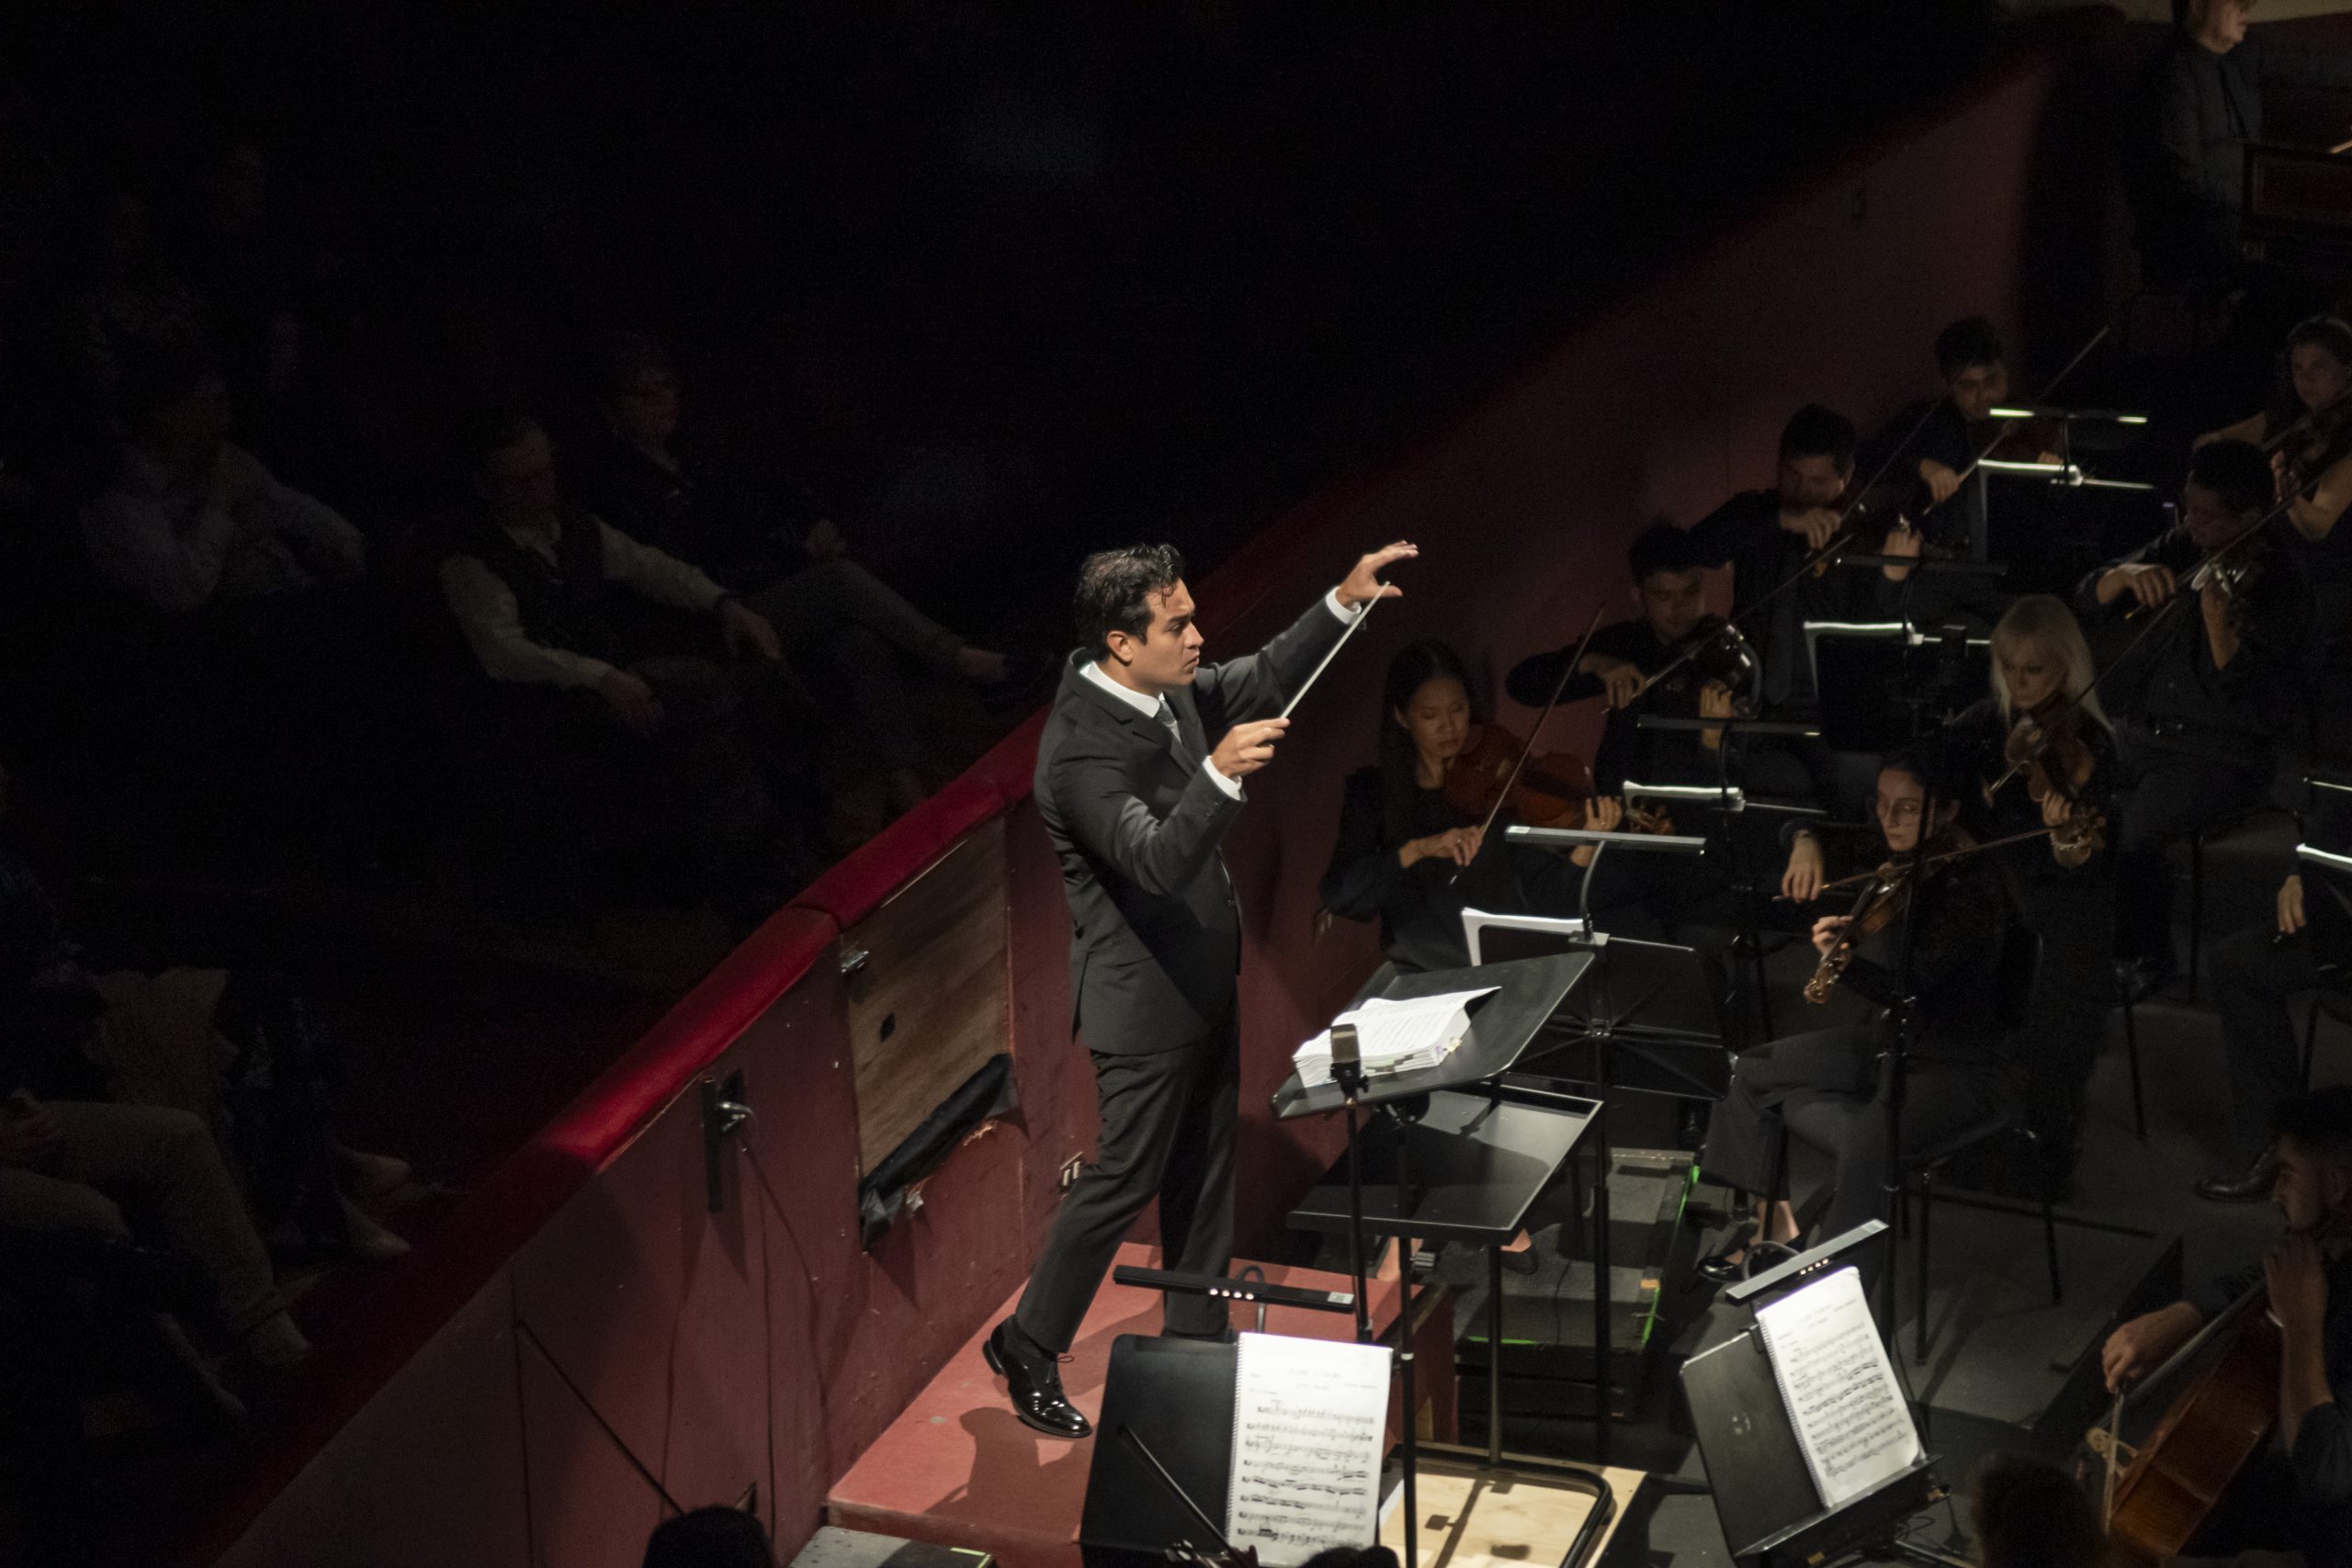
(775, 545)
(254, 641)
(593, 702)
(74, 1166)
(244, 1053)
(2028, 1513)
(709, 1537)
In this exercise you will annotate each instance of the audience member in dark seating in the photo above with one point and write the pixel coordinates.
(2200, 104)
(245, 1053)
(2028, 1513)
(2206, 690)
(709, 1537)
(578, 630)
(773, 543)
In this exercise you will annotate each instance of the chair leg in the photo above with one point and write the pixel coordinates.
(2311, 1039)
(2132, 1060)
(2196, 910)
(2050, 1249)
(1920, 1325)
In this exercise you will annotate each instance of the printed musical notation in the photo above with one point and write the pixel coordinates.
(1843, 1400)
(1310, 1420)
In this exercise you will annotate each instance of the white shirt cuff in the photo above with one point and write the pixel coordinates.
(1331, 602)
(1232, 787)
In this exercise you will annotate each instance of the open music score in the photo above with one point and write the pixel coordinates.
(1309, 1418)
(1847, 1410)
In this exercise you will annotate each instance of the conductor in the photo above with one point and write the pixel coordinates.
(1139, 774)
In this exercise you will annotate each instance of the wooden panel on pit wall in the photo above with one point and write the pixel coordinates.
(933, 1001)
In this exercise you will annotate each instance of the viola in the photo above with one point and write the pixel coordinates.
(2055, 757)
(1886, 893)
(1712, 652)
(1551, 791)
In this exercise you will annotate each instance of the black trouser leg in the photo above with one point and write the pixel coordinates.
(2176, 793)
(1149, 1104)
(2253, 979)
(1196, 1188)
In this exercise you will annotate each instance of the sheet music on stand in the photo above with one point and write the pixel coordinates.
(1310, 1423)
(1847, 1410)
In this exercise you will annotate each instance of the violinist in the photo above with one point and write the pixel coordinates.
(2308, 432)
(2205, 689)
(2257, 971)
(1825, 1085)
(1670, 591)
(1404, 836)
(2296, 1492)
(1765, 536)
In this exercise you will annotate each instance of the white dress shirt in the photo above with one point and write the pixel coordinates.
(493, 623)
(1150, 707)
(241, 535)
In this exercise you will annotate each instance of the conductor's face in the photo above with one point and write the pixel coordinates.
(1168, 655)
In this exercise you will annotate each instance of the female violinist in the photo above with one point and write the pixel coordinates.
(1404, 835)
(1824, 1086)
(2307, 430)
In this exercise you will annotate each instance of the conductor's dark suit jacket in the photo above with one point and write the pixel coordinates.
(1157, 936)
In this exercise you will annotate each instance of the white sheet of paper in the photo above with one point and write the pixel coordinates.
(1416, 1031)
(1309, 1426)
(1847, 1409)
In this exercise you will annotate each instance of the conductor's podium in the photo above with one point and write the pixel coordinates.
(957, 1469)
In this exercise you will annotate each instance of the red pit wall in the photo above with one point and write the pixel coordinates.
(584, 1323)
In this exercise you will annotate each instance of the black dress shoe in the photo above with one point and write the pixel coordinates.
(2250, 1186)
(1524, 1262)
(1033, 1378)
(1765, 1257)
(1722, 1266)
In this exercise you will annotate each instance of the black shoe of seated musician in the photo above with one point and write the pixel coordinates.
(1765, 1257)
(2249, 1186)
(1033, 1378)
(1730, 1261)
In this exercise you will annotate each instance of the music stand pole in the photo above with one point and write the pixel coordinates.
(1903, 1026)
(1347, 1073)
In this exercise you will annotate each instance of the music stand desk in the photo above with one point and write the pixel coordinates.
(1528, 992)
(1477, 1163)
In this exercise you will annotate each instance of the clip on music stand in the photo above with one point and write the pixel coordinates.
(1771, 1513)
(1480, 1178)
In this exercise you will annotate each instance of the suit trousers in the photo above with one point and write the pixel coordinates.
(1824, 1086)
(1167, 1131)
(2253, 978)
(2175, 793)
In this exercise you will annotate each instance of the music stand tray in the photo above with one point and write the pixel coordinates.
(1177, 1394)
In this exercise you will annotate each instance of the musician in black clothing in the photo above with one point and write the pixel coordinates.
(2255, 973)
(2295, 1492)
(2206, 689)
(1825, 1086)
(1402, 840)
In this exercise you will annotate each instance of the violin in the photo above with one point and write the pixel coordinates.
(2308, 447)
(2055, 757)
(1885, 894)
(1713, 651)
(1868, 512)
(1551, 791)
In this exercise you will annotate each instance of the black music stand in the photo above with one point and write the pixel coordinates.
(1501, 1025)
(1176, 1397)
(1771, 1513)
(1878, 679)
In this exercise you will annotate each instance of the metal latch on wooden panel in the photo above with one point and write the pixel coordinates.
(723, 1113)
(854, 959)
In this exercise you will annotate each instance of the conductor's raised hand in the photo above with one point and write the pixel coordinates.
(1247, 747)
(1364, 585)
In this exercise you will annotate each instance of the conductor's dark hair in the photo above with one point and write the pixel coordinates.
(1115, 589)
(1414, 666)
(2028, 1513)
(709, 1537)
(1818, 432)
(1967, 343)
(2320, 1120)
(2237, 472)
(1661, 547)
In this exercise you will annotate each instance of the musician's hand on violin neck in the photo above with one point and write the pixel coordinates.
(1826, 929)
(1247, 747)
(1943, 483)
(1816, 523)
(2141, 1346)
(1362, 585)
(2145, 581)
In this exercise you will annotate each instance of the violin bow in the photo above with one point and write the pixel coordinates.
(1527, 747)
(1942, 858)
